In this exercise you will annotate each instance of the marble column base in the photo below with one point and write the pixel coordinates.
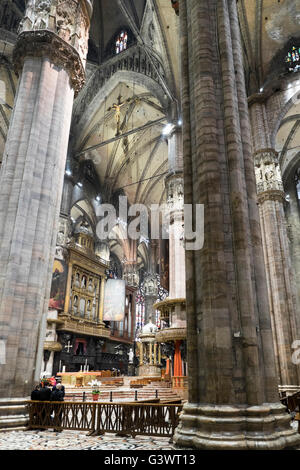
(13, 413)
(149, 370)
(222, 427)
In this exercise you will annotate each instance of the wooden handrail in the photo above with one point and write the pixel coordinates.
(153, 419)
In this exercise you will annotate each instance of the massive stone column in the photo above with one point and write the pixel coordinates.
(173, 307)
(275, 244)
(50, 56)
(233, 394)
(292, 212)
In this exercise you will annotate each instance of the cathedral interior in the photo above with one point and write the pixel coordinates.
(177, 114)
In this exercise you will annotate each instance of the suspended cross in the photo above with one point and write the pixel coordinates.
(68, 346)
(117, 107)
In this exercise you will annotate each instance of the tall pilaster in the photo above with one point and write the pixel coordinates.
(49, 55)
(271, 199)
(233, 395)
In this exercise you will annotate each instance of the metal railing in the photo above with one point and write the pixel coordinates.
(152, 419)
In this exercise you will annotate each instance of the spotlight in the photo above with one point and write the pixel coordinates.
(80, 185)
(167, 129)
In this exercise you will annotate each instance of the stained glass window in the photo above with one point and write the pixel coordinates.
(121, 42)
(293, 59)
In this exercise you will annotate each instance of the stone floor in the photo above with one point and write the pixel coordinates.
(74, 440)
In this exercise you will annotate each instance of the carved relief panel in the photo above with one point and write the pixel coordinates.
(69, 19)
(267, 171)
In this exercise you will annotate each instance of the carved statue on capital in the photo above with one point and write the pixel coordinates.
(175, 193)
(151, 285)
(131, 275)
(267, 171)
(63, 238)
(68, 19)
(57, 29)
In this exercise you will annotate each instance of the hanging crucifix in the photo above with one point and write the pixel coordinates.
(117, 107)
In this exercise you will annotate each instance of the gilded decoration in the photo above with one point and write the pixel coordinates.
(52, 346)
(85, 292)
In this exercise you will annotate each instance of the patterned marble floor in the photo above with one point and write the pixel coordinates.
(74, 440)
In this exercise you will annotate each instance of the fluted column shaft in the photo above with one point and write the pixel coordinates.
(231, 358)
(275, 243)
(292, 212)
(50, 64)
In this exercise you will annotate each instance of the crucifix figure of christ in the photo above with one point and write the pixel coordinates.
(117, 107)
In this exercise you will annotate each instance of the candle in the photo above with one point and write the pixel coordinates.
(64, 369)
(59, 368)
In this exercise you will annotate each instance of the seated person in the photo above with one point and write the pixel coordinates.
(57, 393)
(35, 394)
(45, 391)
(62, 388)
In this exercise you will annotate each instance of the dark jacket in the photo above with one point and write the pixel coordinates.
(62, 389)
(35, 395)
(45, 394)
(57, 395)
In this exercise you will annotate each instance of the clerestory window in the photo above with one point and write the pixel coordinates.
(121, 42)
